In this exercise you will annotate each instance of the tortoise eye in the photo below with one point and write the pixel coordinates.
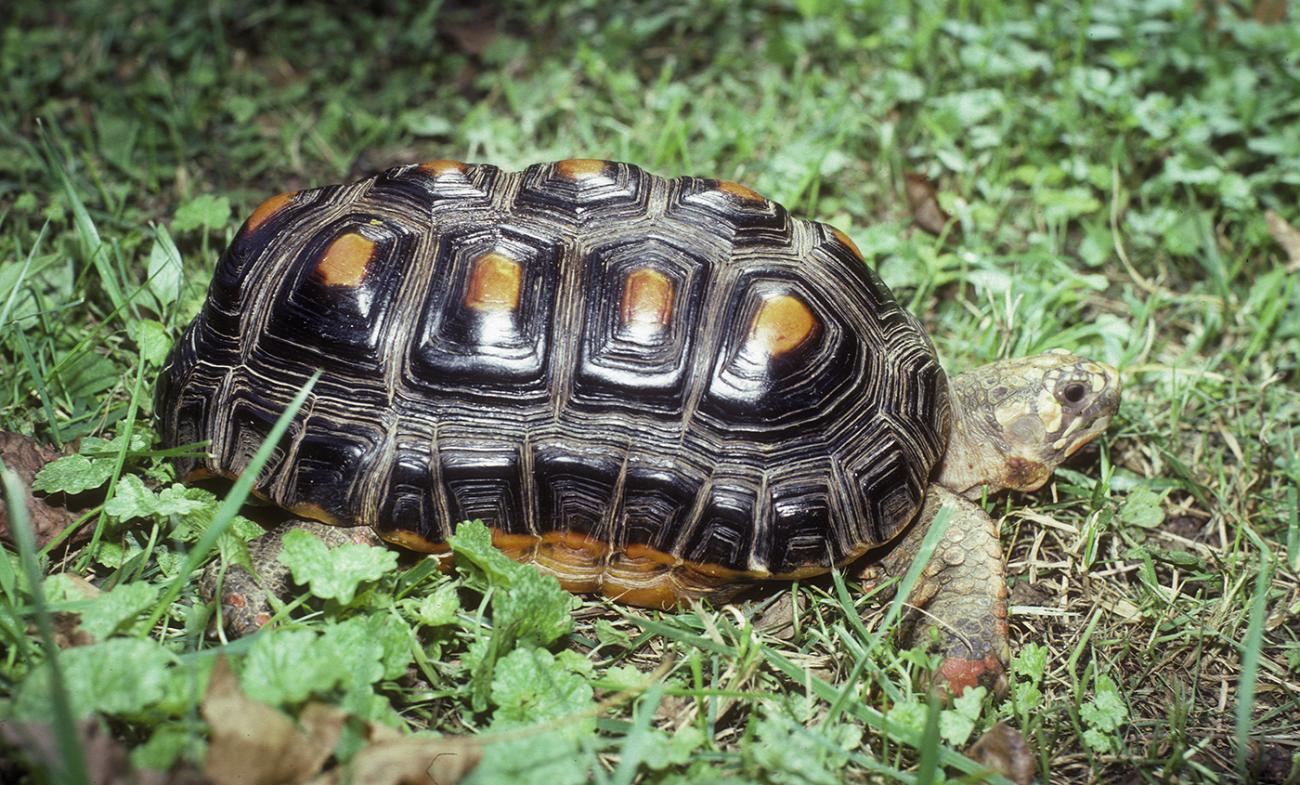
(1074, 393)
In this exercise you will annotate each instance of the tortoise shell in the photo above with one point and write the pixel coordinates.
(649, 387)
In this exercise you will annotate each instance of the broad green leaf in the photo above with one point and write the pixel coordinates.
(395, 639)
(117, 676)
(286, 666)
(553, 758)
(1104, 716)
(73, 474)
(151, 338)
(164, 268)
(112, 608)
(785, 752)
(527, 606)
(202, 212)
(957, 724)
(180, 500)
(438, 608)
(131, 499)
(1143, 507)
(333, 574)
(166, 745)
(663, 750)
(530, 685)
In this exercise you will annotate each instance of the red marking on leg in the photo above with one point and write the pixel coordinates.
(234, 600)
(959, 673)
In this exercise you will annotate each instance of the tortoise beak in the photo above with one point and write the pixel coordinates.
(1103, 408)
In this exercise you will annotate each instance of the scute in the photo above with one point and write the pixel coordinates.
(649, 387)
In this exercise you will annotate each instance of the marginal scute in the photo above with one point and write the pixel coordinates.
(494, 284)
(267, 209)
(647, 299)
(781, 324)
(344, 261)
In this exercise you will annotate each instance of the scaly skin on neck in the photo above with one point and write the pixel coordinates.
(1015, 421)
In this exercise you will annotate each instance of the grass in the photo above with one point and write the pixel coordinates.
(1108, 168)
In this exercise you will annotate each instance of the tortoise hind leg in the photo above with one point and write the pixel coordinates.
(246, 598)
(961, 592)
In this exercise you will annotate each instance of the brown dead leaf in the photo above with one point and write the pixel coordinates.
(409, 761)
(254, 744)
(471, 38)
(923, 201)
(107, 762)
(777, 619)
(1004, 749)
(1286, 236)
(25, 456)
(67, 626)
(1270, 12)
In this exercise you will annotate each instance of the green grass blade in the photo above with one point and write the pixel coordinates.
(876, 720)
(1250, 656)
(22, 276)
(928, 766)
(94, 246)
(38, 380)
(66, 739)
(635, 742)
(225, 514)
(125, 431)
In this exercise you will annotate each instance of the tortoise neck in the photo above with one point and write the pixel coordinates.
(977, 457)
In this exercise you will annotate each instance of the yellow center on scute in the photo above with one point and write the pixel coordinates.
(847, 242)
(442, 167)
(267, 209)
(580, 168)
(647, 299)
(742, 191)
(344, 262)
(782, 323)
(494, 283)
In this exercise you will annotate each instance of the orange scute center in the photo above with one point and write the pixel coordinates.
(267, 209)
(847, 242)
(742, 191)
(580, 168)
(345, 260)
(782, 323)
(442, 166)
(494, 283)
(647, 299)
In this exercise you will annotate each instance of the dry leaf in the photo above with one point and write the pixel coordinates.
(1286, 236)
(922, 200)
(107, 762)
(409, 761)
(254, 744)
(1270, 12)
(25, 457)
(1003, 749)
(473, 38)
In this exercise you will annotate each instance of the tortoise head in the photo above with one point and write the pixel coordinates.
(1017, 420)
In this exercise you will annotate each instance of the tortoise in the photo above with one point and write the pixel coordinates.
(655, 389)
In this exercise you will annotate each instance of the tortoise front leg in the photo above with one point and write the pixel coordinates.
(961, 593)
